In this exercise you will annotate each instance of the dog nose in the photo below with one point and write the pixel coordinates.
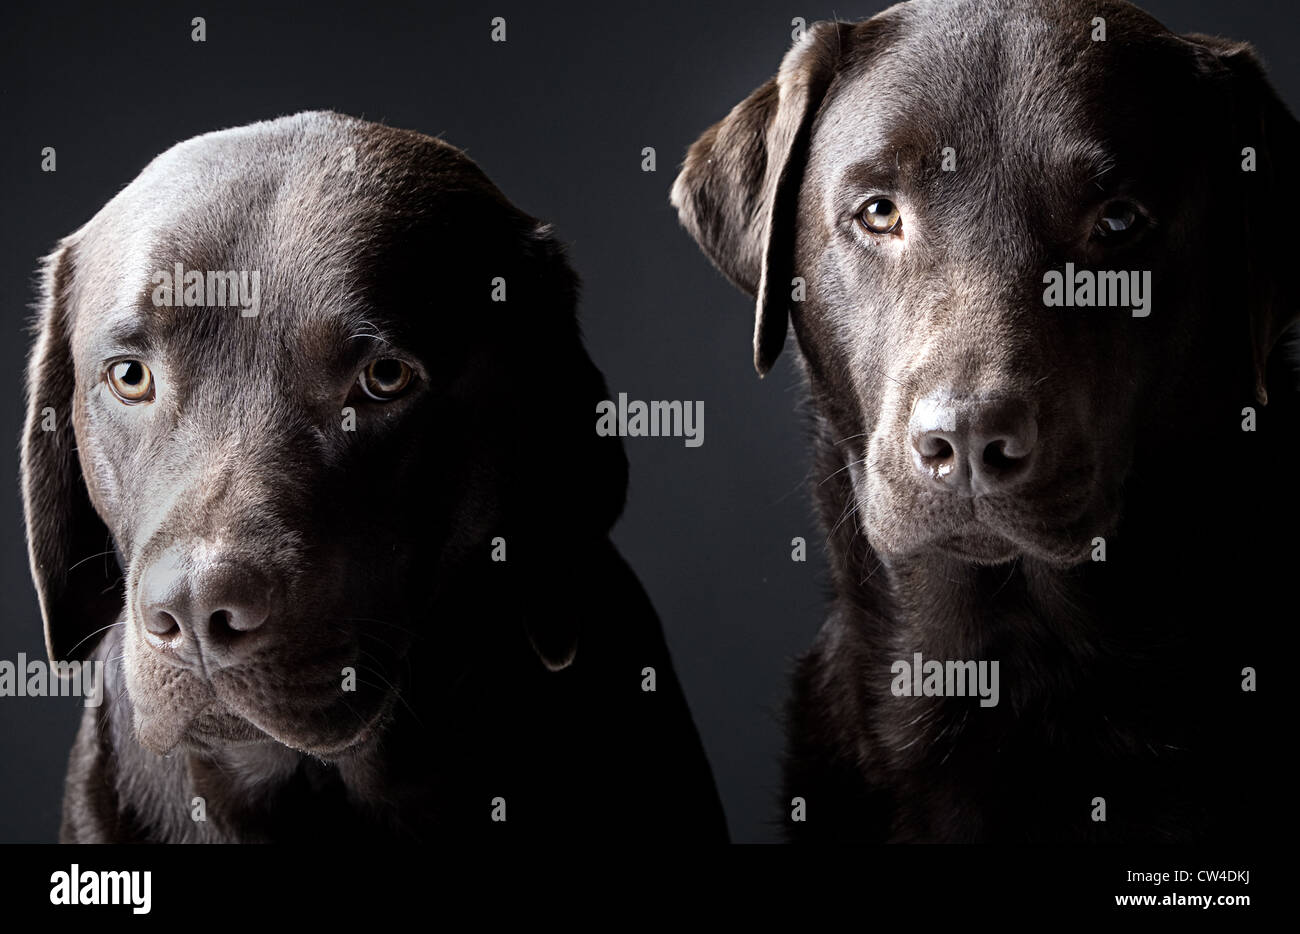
(973, 447)
(204, 613)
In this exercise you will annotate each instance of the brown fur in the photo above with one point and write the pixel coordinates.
(1121, 678)
(372, 548)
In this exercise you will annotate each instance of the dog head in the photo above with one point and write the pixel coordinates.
(280, 376)
(907, 190)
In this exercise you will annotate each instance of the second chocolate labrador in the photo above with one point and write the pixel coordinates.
(1039, 261)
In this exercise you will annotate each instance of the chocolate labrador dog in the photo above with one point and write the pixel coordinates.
(1039, 261)
(310, 464)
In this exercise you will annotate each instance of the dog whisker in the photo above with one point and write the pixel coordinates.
(92, 635)
(98, 554)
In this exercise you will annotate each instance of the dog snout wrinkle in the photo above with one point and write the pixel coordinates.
(972, 447)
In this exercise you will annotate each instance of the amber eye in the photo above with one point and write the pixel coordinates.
(1118, 219)
(880, 216)
(385, 379)
(131, 381)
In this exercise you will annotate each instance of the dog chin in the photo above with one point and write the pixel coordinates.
(972, 546)
(981, 545)
(984, 533)
(978, 547)
(330, 741)
(217, 728)
(1061, 553)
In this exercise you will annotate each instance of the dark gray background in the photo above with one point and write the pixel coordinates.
(557, 116)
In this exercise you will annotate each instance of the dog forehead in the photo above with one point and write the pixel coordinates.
(1023, 82)
(295, 215)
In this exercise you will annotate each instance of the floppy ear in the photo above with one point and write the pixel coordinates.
(78, 584)
(1271, 191)
(572, 482)
(738, 190)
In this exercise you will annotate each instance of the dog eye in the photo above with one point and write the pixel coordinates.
(880, 216)
(131, 381)
(385, 379)
(1117, 220)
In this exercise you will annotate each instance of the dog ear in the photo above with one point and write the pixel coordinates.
(738, 190)
(572, 482)
(77, 578)
(1264, 155)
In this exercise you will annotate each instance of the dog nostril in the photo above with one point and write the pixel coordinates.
(225, 626)
(236, 622)
(996, 456)
(1006, 456)
(935, 448)
(162, 624)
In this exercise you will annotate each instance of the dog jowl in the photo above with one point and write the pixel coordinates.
(1005, 477)
(305, 627)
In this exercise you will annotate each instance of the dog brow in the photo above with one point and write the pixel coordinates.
(130, 331)
(1086, 161)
